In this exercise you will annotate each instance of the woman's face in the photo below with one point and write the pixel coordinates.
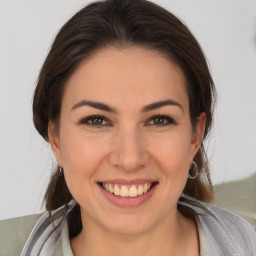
(125, 129)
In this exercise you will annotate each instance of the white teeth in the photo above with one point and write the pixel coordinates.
(110, 189)
(116, 190)
(140, 190)
(125, 191)
(145, 188)
(133, 192)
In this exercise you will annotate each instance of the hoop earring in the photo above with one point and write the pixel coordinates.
(194, 170)
(60, 171)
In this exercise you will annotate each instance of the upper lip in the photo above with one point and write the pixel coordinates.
(127, 182)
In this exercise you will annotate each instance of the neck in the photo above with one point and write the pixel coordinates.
(172, 236)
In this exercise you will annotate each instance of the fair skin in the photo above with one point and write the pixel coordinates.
(128, 144)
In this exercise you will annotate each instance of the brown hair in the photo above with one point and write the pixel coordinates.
(122, 23)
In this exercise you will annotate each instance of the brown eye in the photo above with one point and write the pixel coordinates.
(161, 120)
(94, 121)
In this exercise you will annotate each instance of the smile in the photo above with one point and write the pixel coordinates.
(123, 193)
(127, 190)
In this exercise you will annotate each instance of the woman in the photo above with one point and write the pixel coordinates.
(125, 99)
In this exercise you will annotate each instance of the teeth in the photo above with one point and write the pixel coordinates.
(133, 192)
(116, 190)
(124, 191)
(140, 190)
(145, 188)
(110, 189)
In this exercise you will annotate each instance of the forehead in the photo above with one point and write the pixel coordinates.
(133, 75)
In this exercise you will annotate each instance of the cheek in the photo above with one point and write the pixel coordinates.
(81, 157)
(173, 158)
(174, 155)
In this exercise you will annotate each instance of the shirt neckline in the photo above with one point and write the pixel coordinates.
(205, 249)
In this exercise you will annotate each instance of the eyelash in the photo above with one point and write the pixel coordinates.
(90, 118)
(170, 121)
(167, 121)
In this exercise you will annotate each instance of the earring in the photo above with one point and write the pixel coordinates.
(194, 170)
(60, 171)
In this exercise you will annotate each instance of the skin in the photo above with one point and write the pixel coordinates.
(130, 144)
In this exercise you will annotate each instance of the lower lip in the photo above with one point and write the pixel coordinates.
(128, 201)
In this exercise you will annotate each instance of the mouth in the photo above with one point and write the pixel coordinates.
(128, 190)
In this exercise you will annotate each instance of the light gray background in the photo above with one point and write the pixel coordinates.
(226, 31)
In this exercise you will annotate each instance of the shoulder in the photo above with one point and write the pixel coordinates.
(225, 231)
(15, 232)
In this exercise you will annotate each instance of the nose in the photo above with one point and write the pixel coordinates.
(128, 151)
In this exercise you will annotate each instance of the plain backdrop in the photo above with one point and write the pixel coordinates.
(226, 32)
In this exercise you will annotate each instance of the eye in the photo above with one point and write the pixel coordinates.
(161, 120)
(95, 121)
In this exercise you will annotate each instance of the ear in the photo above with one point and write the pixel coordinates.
(198, 134)
(55, 142)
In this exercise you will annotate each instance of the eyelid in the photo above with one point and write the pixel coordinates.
(85, 120)
(170, 120)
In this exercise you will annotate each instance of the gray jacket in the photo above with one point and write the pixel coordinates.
(226, 233)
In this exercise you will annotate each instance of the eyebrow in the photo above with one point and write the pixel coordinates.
(94, 104)
(160, 104)
(102, 106)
